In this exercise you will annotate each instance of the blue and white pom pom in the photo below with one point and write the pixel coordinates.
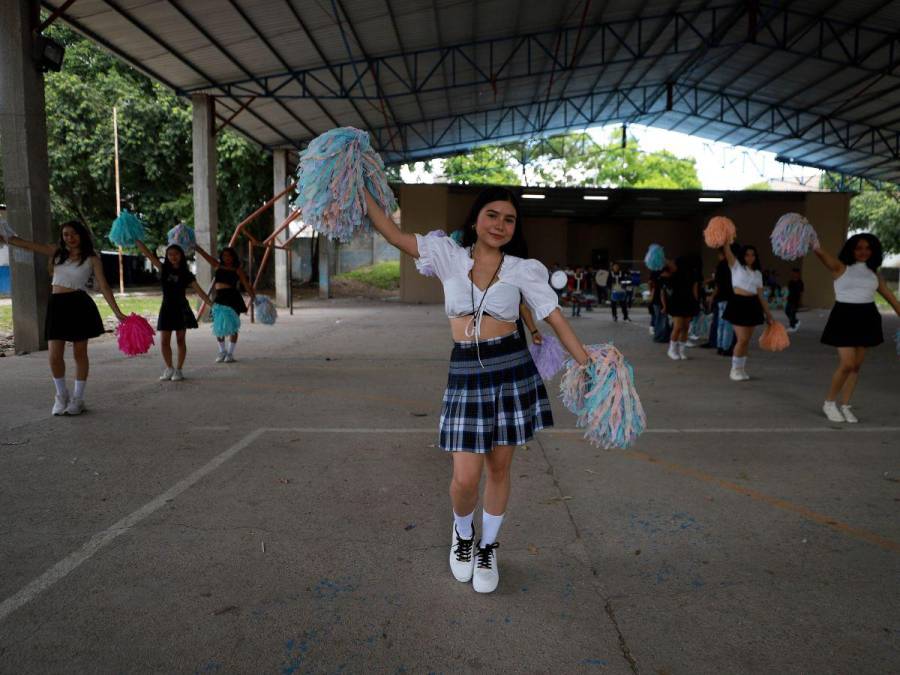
(182, 236)
(602, 394)
(793, 237)
(655, 259)
(265, 310)
(225, 321)
(335, 170)
(126, 229)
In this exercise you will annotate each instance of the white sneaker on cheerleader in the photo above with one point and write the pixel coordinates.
(736, 375)
(75, 407)
(167, 374)
(673, 352)
(682, 354)
(832, 413)
(487, 575)
(462, 560)
(848, 414)
(60, 403)
(221, 357)
(177, 376)
(229, 358)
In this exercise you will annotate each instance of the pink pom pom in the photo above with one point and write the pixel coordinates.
(719, 232)
(135, 335)
(774, 338)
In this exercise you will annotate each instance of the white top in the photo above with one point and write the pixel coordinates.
(451, 264)
(746, 279)
(72, 275)
(857, 285)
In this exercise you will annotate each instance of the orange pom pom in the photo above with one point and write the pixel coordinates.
(774, 338)
(719, 232)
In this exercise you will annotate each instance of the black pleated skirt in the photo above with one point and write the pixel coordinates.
(744, 310)
(72, 317)
(853, 324)
(231, 297)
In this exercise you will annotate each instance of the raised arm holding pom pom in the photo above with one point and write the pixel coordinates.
(72, 315)
(854, 324)
(495, 398)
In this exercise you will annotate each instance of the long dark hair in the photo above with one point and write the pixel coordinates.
(85, 246)
(847, 256)
(234, 254)
(515, 246)
(756, 264)
(181, 265)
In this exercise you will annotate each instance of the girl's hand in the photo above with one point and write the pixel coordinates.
(536, 338)
(121, 317)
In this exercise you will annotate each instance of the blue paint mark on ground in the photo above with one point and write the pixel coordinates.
(297, 650)
(595, 662)
(209, 667)
(330, 589)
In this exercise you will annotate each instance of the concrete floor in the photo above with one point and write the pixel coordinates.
(288, 513)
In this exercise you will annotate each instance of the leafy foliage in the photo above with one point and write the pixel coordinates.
(878, 213)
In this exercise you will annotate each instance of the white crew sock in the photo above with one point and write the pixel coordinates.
(681, 346)
(79, 388)
(738, 361)
(464, 525)
(490, 528)
(221, 346)
(60, 384)
(231, 346)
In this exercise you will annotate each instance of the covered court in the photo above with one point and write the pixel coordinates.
(288, 513)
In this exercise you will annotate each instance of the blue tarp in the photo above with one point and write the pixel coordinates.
(4, 280)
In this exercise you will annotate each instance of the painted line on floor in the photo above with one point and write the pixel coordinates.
(783, 504)
(101, 539)
(416, 430)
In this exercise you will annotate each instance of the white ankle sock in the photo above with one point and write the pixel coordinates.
(221, 346)
(231, 346)
(738, 361)
(464, 525)
(490, 528)
(60, 384)
(79, 388)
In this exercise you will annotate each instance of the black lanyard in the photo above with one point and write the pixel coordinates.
(490, 283)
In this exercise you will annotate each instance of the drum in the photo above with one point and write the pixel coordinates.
(558, 280)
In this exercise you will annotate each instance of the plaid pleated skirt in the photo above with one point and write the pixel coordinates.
(502, 403)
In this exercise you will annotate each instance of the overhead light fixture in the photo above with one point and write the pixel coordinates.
(48, 53)
(652, 213)
(713, 200)
(533, 195)
(596, 198)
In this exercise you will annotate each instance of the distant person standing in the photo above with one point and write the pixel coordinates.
(617, 285)
(724, 291)
(795, 293)
(602, 279)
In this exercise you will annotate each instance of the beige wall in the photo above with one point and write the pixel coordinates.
(677, 237)
(829, 212)
(423, 208)
(547, 239)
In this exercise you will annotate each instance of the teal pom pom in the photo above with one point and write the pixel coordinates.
(225, 321)
(334, 171)
(183, 236)
(265, 310)
(126, 229)
(655, 259)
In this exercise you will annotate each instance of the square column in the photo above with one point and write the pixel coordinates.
(280, 212)
(23, 127)
(206, 203)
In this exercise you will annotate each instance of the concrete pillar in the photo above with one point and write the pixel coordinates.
(206, 203)
(23, 128)
(280, 211)
(326, 266)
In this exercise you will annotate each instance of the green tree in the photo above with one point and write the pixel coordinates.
(489, 165)
(878, 212)
(759, 186)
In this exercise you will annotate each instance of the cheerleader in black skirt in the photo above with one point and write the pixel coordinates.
(72, 315)
(229, 274)
(175, 313)
(495, 399)
(747, 308)
(855, 322)
(682, 303)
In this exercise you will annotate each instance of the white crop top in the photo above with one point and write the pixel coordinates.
(451, 264)
(857, 285)
(746, 279)
(70, 274)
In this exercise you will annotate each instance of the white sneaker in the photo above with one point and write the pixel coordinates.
(487, 574)
(221, 357)
(744, 375)
(462, 561)
(75, 407)
(848, 414)
(736, 375)
(60, 403)
(652, 332)
(167, 374)
(229, 358)
(681, 353)
(673, 352)
(832, 413)
(177, 376)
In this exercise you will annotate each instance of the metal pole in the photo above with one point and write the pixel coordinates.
(118, 194)
(290, 266)
(250, 276)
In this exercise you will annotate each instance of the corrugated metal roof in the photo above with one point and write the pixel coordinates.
(817, 82)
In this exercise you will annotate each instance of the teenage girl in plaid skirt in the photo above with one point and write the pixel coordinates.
(495, 398)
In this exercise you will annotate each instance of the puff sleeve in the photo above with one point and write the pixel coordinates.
(533, 280)
(438, 254)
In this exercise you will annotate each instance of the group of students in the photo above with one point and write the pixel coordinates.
(495, 399)
(586, 287)
(739, 304)
(72, 315)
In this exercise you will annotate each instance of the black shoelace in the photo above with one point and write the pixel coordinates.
(463, 549)
(484, 555)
